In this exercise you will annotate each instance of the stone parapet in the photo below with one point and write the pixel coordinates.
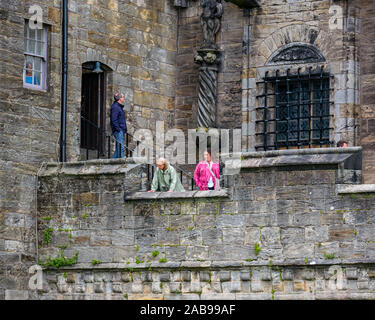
(275, 222)
(224, 193)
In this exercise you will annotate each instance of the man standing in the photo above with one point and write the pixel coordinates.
(118, 124)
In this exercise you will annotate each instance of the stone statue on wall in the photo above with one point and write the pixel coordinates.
(181, 3)
(209, 58)
(211, 21)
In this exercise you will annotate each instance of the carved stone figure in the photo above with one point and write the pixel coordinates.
(209, 61)
(181, 3)
(211, 21)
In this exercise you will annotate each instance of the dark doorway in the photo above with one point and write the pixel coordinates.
(93, 109)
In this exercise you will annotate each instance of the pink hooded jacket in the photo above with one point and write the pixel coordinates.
(202, 174)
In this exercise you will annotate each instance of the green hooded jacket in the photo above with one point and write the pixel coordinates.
(167, 180)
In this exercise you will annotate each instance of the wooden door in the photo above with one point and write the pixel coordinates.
(93, 111)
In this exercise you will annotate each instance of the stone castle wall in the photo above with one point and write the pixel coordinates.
(280, 233)
(149, 47)
(136, 40)
(367, 89)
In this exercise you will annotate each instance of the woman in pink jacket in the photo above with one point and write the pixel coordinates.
(203, 177)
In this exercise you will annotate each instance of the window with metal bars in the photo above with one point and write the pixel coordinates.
(294, 111)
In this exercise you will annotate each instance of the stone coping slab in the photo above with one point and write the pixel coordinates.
(223, 193)
(294, 157)
(89, 167)
(212, 264)
(355, 188)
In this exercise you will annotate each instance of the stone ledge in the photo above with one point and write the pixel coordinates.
(293, 157)
(186, 265)
(223, 193)
(90, 167)
(355, 188)
(16, 295)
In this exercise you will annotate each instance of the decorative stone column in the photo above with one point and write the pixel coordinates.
(209, 57)
(209, 60)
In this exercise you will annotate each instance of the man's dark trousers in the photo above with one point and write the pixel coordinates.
(118, 126)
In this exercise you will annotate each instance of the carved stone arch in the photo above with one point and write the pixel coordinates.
(96, 55)
(295, 33)
(296, 53)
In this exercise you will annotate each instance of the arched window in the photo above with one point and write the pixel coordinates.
(294, 101)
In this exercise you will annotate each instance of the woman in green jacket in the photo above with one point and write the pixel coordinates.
(165, 178)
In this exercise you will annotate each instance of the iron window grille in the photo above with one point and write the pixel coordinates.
(294, 110)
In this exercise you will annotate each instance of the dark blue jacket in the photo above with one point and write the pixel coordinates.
(118, 122)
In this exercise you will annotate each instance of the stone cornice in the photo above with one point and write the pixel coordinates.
(293, 157)
(175, 195)
(90, 167)
(355, 188)
(188, 265)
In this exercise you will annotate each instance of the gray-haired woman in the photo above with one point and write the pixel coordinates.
(165, 178)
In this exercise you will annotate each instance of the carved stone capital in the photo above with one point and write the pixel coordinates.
(208, 58)
(181, 3)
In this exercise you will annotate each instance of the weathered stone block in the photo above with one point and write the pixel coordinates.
(122, 237)
(224, 276)
(204, 276)
(193, 237)
(270, 236)
(233, 235)
(145, 237)
(194, 253)
(185, 275)
(212, 236)
(307, 218)
(16, 295)
(299, 250)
